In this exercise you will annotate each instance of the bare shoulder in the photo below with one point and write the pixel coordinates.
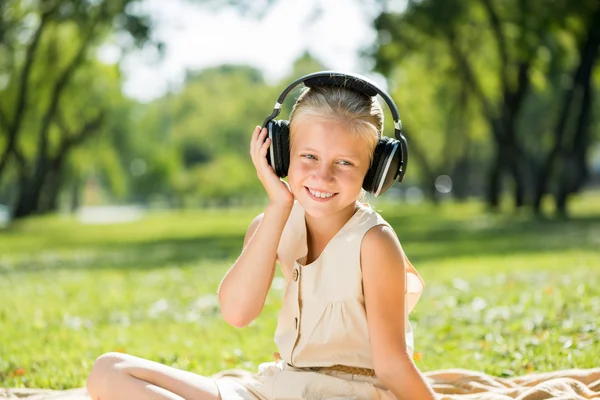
(382, 258)
(381, 242)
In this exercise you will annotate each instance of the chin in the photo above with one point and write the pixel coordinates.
(318, 211)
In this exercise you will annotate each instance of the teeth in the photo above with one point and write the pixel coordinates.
(322, 195)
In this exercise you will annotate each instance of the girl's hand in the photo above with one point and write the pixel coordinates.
(278, 190)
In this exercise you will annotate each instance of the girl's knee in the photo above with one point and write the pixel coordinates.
(108, 361)
(104, 367)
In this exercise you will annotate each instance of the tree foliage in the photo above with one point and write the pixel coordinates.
(509, 55)
(497, 94)
(57, 94)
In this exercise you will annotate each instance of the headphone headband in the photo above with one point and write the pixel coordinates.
(352, 81)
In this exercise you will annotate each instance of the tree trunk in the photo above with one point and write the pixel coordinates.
(461, 178)
(568, 184)
(32, 192)
(588, 53)
(513, 155)
(518, 176)
(49, 202)
(29, 199)
(75, 195)
(575, 172)
(27, 203)
(495, 180)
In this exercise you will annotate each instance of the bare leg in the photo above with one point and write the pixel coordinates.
(117, 376)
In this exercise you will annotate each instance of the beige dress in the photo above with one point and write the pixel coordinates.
(322, 321)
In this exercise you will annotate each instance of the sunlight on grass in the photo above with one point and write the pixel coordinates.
(505, 294)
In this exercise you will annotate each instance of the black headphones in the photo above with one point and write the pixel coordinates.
(390, 157)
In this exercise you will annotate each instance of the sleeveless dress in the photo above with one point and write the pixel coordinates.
(322, 321)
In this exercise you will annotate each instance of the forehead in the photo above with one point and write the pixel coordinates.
(324, 134)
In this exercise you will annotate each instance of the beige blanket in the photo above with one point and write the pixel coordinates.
(450, 384)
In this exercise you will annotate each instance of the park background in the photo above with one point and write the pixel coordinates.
(126, 185)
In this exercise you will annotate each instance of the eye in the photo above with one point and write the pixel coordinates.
(309, 156)
(344, 162)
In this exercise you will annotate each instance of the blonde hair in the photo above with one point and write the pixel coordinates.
(360, 113)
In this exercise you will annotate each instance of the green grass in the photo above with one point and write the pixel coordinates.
(505, 294)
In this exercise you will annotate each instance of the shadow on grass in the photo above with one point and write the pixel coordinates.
(492, 236)
(133, 255)
(425, 238)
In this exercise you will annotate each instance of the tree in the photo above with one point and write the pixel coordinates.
(61, 39)
(496, 48)
(194, 138)
(576, 101)
(439, 120)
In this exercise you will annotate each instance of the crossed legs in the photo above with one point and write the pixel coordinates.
(117, 376)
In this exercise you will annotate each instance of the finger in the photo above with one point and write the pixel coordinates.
(266, 168)
(260, 142)
(256, 144)
(253, 139)
(264, 149)
(263, 135)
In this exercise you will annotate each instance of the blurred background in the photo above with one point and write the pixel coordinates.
(151, 103)
(126, 186)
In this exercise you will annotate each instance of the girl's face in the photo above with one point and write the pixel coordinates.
(327, 166)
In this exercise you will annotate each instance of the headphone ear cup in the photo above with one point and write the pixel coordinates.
(284, 147)
(272, 130)
(368, 182)
(384, 169)
(278, 155)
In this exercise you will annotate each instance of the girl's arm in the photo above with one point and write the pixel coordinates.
(244, 288)
(384, 280)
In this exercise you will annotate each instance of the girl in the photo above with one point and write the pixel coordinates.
(343, 330)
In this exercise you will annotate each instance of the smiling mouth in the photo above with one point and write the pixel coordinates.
(319, 195)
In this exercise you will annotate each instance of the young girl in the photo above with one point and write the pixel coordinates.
(343, 331)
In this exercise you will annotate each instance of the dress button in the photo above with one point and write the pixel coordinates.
(295, 274)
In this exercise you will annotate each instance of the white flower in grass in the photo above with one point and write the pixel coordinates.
(158, 308)
(207, 303)
(461, 285)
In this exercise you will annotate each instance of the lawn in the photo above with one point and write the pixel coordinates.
(505, 294)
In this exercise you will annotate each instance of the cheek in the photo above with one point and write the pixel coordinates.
(352, 178)
(294, 174)
(297, 169)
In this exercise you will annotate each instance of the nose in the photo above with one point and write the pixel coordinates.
(324, 173)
